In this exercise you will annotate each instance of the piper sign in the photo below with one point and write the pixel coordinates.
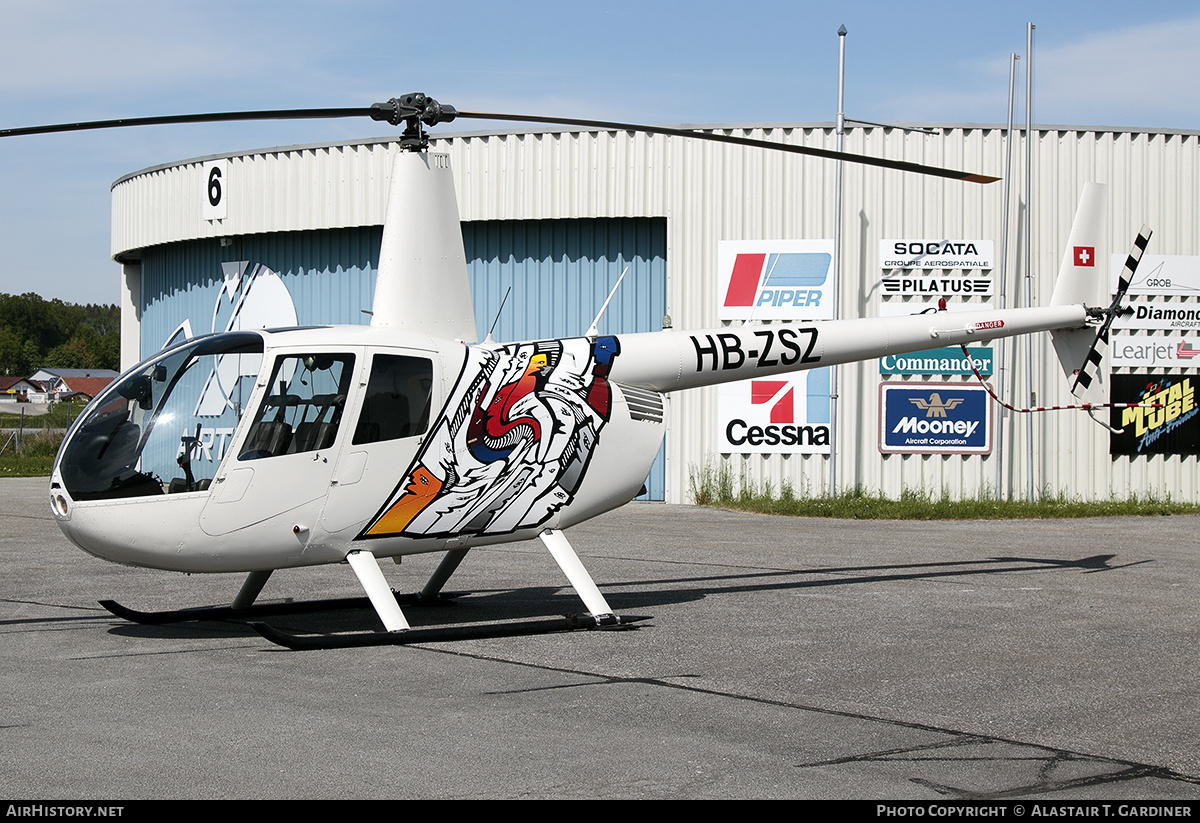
(775, 280)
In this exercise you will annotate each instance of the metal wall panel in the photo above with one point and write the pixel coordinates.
(330, 276)
(708, 193)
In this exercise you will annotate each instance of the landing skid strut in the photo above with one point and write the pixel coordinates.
(386, 604)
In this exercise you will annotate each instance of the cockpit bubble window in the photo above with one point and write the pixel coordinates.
(163, 426)
(397, 401)
(302, 409)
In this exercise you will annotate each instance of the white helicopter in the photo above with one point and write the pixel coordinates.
(407, 436)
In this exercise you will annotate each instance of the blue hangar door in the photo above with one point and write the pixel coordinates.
(560, 272)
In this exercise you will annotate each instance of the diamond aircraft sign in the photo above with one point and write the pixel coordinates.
(775, 280)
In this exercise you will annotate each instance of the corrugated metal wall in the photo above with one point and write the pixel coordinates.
(708, 193)
(329, 274)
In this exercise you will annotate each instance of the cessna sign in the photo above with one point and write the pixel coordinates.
(779, 414)
(775, 280)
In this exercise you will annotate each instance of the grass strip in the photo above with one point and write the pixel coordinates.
(718, 488)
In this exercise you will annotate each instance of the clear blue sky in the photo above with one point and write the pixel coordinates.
(1096, 63)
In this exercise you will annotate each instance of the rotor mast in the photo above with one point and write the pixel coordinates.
(422, 282)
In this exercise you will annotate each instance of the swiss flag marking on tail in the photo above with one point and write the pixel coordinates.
(1085, 255)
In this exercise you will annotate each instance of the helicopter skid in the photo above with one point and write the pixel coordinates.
(569, 623)
(262, 609)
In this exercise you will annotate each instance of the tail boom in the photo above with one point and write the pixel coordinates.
(672, 360)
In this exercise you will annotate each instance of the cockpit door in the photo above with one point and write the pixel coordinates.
(283, 462)
(399, 394)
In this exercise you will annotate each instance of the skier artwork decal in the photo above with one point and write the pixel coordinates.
(512, 444)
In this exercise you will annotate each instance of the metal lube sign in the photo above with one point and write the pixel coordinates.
(1162, 415)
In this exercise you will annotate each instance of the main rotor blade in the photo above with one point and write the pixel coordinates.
(416, 106)
(738, 141)
(214, 117)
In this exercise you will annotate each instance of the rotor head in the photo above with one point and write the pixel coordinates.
(412, 110)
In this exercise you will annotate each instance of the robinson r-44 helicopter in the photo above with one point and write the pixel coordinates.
(406, 436)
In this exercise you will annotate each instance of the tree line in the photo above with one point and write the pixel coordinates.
(37, 333)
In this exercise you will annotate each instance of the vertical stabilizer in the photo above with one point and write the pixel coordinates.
(1083, 279)
(422, 283)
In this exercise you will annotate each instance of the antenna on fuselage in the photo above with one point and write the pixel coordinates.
(488, 341)
(591, 332)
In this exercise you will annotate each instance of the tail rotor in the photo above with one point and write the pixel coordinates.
(1093, 361)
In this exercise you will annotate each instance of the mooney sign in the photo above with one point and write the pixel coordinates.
(935, 418)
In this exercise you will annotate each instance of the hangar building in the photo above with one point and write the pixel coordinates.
(558, 214)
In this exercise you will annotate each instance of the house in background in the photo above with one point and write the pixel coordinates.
(62, 384)
(16, 389)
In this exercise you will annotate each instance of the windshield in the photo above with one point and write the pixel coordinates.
(163, 427)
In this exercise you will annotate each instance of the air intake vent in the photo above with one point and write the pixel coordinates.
(644, 404)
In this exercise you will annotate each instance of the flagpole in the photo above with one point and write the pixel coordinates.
(1002, 413)
(837, 255)
(1029, 255)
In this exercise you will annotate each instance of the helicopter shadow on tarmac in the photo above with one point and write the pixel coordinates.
(527, 603)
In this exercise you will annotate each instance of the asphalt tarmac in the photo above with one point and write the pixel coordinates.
(785, 658)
